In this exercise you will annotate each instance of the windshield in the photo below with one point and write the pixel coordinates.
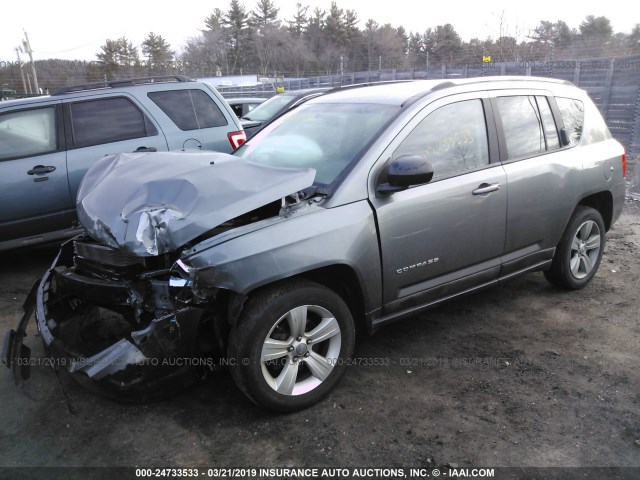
(267, 110)
(327, 137)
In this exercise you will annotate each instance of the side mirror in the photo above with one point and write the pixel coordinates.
(404, 172)
(564, 137)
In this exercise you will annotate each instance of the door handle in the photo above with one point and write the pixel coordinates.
(485, 188)
(41, 170)
(146, 149)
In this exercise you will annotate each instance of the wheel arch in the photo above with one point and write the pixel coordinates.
(603, 203)
(343, 280)
(340, 278)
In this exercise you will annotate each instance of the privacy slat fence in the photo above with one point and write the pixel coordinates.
(613, 84)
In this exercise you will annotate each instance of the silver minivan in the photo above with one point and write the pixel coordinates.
(357, 208)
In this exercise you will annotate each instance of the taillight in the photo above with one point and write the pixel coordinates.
(624, 164)
(237, 138)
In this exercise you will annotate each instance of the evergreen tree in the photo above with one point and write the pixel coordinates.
(314, 31)
(299, 23)
(116, 54)
(214, 21)
(595, 36)
(633, 40)
(236, 23)
(158, 52)
(265, 14)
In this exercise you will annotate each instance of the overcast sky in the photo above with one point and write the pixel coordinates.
(76, 29)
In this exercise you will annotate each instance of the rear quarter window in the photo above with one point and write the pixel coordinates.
(572, 112)
(189, 109)
(595, 129)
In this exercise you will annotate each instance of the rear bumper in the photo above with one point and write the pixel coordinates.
(618, 193)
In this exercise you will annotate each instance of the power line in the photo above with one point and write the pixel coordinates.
(70, 49)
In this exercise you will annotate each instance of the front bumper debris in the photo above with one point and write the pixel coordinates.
(117, 327)
(15, 354)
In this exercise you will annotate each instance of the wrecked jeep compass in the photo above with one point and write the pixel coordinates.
(357, 208)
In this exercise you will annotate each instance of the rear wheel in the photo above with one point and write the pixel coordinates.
(579, 252)
(290, 346)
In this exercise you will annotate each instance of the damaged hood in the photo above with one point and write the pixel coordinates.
(153, 203)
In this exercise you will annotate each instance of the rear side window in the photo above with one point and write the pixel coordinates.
(522, 126)
(107, 120)
(453, 139)
(189, 109)
(28, 133)
(572, 112)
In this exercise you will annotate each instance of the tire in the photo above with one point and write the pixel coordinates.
(291, 345)
(579, 252)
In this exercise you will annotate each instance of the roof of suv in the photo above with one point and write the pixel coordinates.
(24, 101)
(397, 93)
(110, 85)
(126, 82)
(304, 91)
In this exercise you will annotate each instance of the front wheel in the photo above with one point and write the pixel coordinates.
(579, 252)
(291, 345)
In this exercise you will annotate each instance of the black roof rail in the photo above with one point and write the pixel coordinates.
(122, 82)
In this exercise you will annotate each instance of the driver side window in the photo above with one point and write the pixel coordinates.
(452, 138)
(28, 133)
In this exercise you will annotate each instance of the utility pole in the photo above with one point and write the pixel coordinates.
(24, 83)
(27, 47)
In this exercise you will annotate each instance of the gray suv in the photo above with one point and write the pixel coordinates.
(356, 209)
(48, 143)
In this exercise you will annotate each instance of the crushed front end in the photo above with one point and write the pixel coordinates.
(118, 308)
(131, 327)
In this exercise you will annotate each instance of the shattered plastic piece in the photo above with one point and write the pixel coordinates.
(110, 360)
(178, 282)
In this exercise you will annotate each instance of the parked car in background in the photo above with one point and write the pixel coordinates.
(47, 143)
(241, 106)
(260, 116)
(356, 209)
(6, 94)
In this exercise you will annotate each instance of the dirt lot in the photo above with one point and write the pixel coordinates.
(519, 375)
